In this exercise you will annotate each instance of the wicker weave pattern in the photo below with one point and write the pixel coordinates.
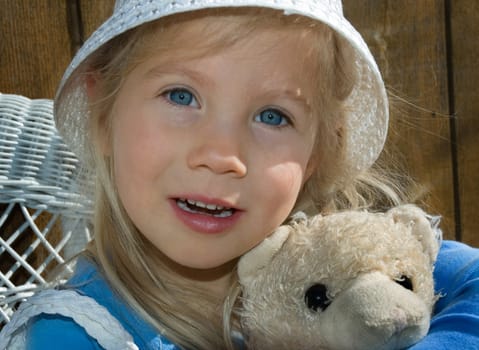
(40, 183)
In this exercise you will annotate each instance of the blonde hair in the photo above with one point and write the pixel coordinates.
(133, 266)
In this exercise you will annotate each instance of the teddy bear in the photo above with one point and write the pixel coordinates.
(348, 280)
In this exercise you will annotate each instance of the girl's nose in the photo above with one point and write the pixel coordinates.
(218, 149)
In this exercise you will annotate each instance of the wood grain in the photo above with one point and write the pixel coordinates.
(407, 37)
(465, 52)
(94, 13)
(34, 46)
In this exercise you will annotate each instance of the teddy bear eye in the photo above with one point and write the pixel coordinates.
(316, 297)
(406, 282)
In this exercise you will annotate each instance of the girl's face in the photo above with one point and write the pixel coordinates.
(211, 151)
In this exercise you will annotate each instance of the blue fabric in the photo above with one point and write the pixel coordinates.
(58, 332)
(455, 324)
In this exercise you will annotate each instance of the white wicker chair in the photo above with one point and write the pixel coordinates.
(44, 215)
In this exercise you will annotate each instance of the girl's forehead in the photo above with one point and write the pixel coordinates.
(256, 53)
(196, 36)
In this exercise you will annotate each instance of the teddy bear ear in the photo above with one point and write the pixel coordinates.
(258, 257)
(424, 226)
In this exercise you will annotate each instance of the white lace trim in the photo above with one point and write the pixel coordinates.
(85, 311)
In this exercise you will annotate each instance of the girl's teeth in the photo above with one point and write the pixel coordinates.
(189, 204)
(204, 205)
(224, 214)
(214, 207)
(197, 203)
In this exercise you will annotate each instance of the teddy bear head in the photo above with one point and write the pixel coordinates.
(348, 280)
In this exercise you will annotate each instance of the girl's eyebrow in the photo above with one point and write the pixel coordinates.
(179, 70)
(294, 95)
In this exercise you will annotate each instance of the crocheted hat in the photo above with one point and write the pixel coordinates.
(367, 121)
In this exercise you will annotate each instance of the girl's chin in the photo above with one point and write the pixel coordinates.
(200, 267)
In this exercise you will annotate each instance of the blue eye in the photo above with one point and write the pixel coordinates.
(181, 97)
(272, 117)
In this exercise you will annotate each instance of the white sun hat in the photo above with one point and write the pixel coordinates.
(366, 122)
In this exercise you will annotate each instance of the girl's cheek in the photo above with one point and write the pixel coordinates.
(284, 182)
(297, 140)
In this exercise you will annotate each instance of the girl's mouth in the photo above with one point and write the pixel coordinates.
(210, 216)
(198, 207)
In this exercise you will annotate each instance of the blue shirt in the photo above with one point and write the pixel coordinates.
(455, 324)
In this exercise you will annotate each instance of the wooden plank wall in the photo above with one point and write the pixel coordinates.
(426, 49)
(464, 50)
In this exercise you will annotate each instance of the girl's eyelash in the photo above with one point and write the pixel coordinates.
(274, 117)
(180, 96)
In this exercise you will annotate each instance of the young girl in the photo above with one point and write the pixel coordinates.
(205, 125)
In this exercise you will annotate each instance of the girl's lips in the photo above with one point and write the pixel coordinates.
(200, 220)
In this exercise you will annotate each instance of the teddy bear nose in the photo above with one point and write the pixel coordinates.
(316, 297)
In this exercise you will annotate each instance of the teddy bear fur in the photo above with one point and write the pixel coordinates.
(348, 280)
